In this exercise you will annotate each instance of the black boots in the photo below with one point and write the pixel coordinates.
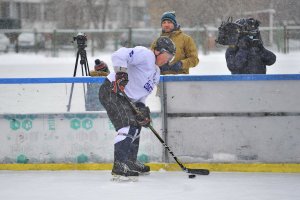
(123, 170)
(138, 167)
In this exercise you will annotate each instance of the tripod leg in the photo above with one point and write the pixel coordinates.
(84, 64)
(72, 87)
(82, 70)
(76, 63)
(87, 67)
(70, 98)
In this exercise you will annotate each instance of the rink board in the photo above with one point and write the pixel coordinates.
(66, 138)
(232, 119)
(206, 120)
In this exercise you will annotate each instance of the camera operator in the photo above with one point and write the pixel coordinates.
(248, 55)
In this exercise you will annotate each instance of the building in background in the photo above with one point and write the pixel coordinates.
(52, 14)
(202, 16)
(113, 14)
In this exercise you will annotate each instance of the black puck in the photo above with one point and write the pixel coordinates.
(192, 176)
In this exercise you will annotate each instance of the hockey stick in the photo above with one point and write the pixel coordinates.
(185, 169)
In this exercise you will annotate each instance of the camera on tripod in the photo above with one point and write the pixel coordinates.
(81, 40)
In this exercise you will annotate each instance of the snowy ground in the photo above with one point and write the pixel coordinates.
(92, 185)
(40, 65)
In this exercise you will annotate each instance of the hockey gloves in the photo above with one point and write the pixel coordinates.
(120, 82)
(175, 67)
(143, 115)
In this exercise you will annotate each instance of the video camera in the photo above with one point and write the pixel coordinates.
(250, 28)
(230, 32)
(81, 40)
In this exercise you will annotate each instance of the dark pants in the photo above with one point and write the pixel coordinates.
(117, 107)
(121, 115)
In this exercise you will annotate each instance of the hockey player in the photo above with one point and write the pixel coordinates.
(136, 73)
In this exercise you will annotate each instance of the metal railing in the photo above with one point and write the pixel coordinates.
(283, 39)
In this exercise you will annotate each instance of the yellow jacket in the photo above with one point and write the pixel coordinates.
(186, 51)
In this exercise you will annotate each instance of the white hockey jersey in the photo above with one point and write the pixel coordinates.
(143, 73)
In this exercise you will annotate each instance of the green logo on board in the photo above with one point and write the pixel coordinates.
(17, 122)
(75, 124)
(84, 121)
(27, 124)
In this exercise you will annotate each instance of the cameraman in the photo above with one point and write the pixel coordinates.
(249, 56)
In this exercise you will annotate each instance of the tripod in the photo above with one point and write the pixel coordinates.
(84, 70)
(83, 62)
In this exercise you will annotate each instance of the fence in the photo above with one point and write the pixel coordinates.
(284, 39)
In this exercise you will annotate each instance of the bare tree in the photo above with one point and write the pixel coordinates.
(98, 11)
(71, 14)
(196, 12)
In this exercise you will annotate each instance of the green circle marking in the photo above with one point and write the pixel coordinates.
(22, 159)
(143, 158)
(27, 124)
(75, 124)
(15, 124)
(87, 124)
(82, 158)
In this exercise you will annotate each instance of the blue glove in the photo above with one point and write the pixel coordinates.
(165, 67)
(175, 67)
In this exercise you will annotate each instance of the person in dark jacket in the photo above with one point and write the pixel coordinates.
(249, 56)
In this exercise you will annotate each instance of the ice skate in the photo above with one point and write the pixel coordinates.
(122, 173)
(138, 167)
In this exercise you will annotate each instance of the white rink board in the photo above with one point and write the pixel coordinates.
(233, 96)
(233, 118)
(61, 138)
(235, 139)
(236, 120)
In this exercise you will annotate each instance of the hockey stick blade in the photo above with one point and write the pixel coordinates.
(197, 171)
